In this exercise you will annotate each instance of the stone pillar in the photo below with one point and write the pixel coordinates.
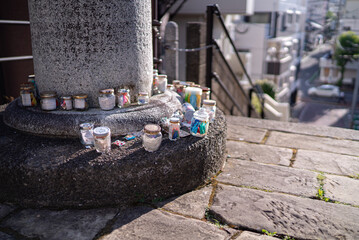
(196, 61)
(171, 56)
(81, 46)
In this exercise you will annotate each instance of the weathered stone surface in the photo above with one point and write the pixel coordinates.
(327, 162)
(314, 143)
(254, 236)
(66, 123)
(4, 236)
(5, 210)
(147, 223)
(192, 204)
(74, 176)
(82, 46)
(244, 133)
(288, 215)
(342, 189)
(273, 178)
(59, 225)
(299, 128)
(259, 153)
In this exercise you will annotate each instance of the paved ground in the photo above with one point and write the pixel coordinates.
(298, 181)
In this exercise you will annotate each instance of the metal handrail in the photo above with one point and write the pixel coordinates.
(14, 22)
(8, 59)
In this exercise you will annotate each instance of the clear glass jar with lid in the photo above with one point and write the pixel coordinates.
(143, 98)
(152, 137)
(80, 102)
(48, 101)
(210, 107)
(102, 139)
(27, 95)
(193, 96)
(206, 93)
(123, 98)
(107, 99)
(162, 83)
(66, 103)
(86, 134)
(155, 89)
(199, 123)
(174, 128)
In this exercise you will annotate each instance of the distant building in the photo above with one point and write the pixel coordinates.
(350, 17)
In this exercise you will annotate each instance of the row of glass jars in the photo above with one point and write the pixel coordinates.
(107, 99)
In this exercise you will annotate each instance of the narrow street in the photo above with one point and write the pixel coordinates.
(324, 111)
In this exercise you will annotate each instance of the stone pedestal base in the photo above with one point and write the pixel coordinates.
(40, 171)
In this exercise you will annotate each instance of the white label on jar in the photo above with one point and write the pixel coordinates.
(48, 104)
(26, 99)
(80, 103)
(107, 103)
(68, 104)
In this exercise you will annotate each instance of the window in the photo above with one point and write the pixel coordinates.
(283, 25)
(263, 17)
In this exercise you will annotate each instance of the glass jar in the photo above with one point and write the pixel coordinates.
(199, 123)
(155, 89)
(107, 99)
(206, 92)
(48, 101)
(152, 137)
(31, 80)
(210, 107)
(143, 98)
(193, 96)
(176, 82)
(174, 129)
(190, 84)
(66, 103)
(180, 90)
(86, 134)
(123, 98)
(27, 95)
(188, 112)
(170, 87)
(102, 139)
(80, 102)
(162, 83)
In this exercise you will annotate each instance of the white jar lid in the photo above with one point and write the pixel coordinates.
(86, 126)
(101, 131)
(209, 102)
(201, 114)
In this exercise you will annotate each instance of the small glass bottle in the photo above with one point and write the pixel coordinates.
(143, 98)
(66, 103)
(199, 123)
(174, 129)
(155, 89)
(180, 90)
(31, 80)
(107, 99)
(170, 87)
(193, 96)
(176, 82)
(80, 102)
(48, 101)
(123, 98)
(86, 134)
(102, 139)
(210, 107)
(152, 137)
(27, 95)
(206, 92)
(162, 83)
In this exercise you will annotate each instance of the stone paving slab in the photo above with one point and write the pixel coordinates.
(259, 153)
(4, 236)
(244, 133)
(254, 236)
(342, 189)
(299, 128)
(268, 177)
(5, 210)
(298, 217)
(313, 143)
(192, 204)
(60, 225)
(327, 162)
(148, 223)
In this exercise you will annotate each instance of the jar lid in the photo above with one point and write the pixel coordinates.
(26, 86)
(31, 76)
(48, 94)
(179, 86)
(176, 82)
(107, 91)
(101, 131)
(194, 89)
(143, 94)
(80, 96)
(205, 89)
(86, 126)
(155, 70)
(124, 90)
(190, 83)
(66, 97)
(162, 76)
(201, 114)
(174, 120)
(169, 85)
(209, 102)
(152, 129)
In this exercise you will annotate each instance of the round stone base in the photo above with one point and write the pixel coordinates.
(66, 123)
(40, 171)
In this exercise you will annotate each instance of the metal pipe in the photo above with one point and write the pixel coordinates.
(8, 59)
(209, 41)
(14, 22)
